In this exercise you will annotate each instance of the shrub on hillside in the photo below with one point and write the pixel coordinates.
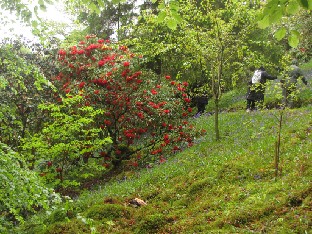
(144, 115)
(22, 191)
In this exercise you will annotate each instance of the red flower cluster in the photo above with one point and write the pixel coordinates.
(133, 101)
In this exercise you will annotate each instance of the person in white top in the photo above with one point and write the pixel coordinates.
(256, 88)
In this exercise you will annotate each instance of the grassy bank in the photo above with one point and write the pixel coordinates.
(213, 187)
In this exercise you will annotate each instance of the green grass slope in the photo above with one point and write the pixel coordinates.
(213, 187)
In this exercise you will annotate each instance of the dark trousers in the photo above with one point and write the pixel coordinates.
(201, 107)
(251, 104)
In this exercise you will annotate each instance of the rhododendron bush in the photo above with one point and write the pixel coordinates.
(145, 116)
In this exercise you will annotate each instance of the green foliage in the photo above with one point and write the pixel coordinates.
(23, 86)
(273, 13)
(67, 142)
(22, 192)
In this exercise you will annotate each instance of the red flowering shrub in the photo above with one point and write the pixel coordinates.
(144, 115)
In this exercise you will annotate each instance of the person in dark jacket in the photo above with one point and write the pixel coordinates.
(289, 84)
(256, 88)
(201, 102)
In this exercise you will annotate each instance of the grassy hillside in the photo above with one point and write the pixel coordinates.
(214, 187)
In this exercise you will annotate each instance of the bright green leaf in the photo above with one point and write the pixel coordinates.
(176, 16)
(174, 5)
(161, 16)
(100, 3)
(264, 23)
(161, 6)
(280, 34)
(293, 7)
(276, 16)
(172, 24)
(293, 39)
(94, 8)
(270, 7)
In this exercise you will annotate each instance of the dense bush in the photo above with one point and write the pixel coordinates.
(62, 149)
(24, 70)
(143, 114)
(21, 192)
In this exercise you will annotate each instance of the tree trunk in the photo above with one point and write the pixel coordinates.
(217, 119)
(278, 145)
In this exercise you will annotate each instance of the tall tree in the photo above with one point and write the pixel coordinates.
(104, 19)
(24, 73)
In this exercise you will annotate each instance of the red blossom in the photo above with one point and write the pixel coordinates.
(176, 148)
(125, 72)
(92, 47)
(157, 151)
(62, 52)
(73, 50)
(166, 137)
(162, 159)
(123, 48)
(141, 115)
(126, 64)
(107, 122)
(71, 65)
(82, 84)
(101, 63)
(90, 36)
(166, 111)
(187, 100)
(168, 77)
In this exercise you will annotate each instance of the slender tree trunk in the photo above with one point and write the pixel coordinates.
(118, 23)
(217, 119)
(277, 145)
